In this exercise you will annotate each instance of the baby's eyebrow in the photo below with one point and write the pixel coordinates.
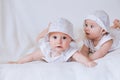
(65, 36)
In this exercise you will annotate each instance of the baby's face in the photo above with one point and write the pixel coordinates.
(92, 30)
(59, 41)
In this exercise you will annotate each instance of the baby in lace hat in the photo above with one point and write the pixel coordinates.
(99, 37)
(56, 45)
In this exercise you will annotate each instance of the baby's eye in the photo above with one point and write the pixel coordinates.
(55, 37)
(91, 26)
(64, 37)
(85, 25)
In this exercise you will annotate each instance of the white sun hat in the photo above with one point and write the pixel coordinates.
(101, 18)
(62, 25)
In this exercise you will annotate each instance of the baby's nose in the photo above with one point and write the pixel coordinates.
(86, 28)
(59, 40)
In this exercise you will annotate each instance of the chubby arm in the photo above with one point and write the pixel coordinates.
(79, 57)
(102, 51)
(36, 55)
(85, 50)
(43, 33)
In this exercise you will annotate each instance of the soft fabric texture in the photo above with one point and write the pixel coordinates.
(108, 68)
(62, 25)
(104, 39)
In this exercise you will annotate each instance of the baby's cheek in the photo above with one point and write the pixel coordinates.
(66, 45)
(51, 43)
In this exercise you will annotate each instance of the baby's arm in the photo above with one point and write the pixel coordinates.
(79, 57)
(102, 51)
(36, 55)
(84, 50)
(43, 33)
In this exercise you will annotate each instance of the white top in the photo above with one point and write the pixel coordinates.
(65, 56)
(104, 39)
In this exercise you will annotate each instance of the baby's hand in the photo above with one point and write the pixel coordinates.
(91, 64)
(43, 33)
(12, 62)
(116, 24)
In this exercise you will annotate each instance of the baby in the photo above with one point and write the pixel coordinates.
(56, 46)
(99, 41)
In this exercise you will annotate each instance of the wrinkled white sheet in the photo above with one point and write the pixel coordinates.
(108, 68)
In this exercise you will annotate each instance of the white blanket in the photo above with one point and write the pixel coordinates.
(107, 69)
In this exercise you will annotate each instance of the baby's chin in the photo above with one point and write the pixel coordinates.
(88, 37)
(58, 50)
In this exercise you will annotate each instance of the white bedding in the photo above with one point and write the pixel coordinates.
(107, 69)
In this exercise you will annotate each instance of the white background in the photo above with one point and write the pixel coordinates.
(74, 10)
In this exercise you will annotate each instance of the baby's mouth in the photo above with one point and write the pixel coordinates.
(87, 33)
(58, 46)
